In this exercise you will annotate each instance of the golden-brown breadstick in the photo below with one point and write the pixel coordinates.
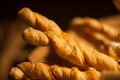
(64, 45)
(39, 37)
(38, 21)
(93, 24)
(76, 53)
(101, 42)
(108, 44)
(18, 74)
(41, 71)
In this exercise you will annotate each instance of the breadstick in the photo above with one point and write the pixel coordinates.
(38, 21)
(41, 71)
(61, 41)
(102, 43)
(116, 47)
(67, 48)
(39, 37)
(93, 24)
(108, 44)
(91, 62)
(18, 74)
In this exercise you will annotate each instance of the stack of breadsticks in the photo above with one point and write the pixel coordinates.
(85, 51)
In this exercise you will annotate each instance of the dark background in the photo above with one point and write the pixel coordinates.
(61, 11)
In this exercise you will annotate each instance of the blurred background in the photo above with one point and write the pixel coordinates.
(12, 47)
(62, 11)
